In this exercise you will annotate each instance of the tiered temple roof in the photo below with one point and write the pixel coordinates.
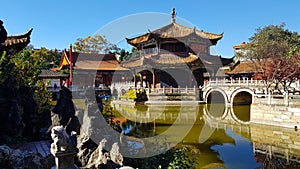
(175, 45)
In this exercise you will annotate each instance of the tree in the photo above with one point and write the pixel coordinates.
(276, 52)
(48, 58)
(125, 55)
(94, 44)
(23, 69)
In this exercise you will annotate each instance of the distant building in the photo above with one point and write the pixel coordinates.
(92, 69)
(244, 68)
(240, 49)
(54, 78)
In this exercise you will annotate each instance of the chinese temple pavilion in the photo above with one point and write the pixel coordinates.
(174, 55)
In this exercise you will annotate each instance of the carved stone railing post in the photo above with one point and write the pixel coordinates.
(65, 160)
(63, 148)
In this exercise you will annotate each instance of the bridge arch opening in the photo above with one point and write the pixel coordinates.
(242, 98)
(216, 104)
(216, 97)
(241, 105)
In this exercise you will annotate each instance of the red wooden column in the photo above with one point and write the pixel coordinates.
(71, 66)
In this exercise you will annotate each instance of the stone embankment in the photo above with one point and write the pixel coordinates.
(276, 112)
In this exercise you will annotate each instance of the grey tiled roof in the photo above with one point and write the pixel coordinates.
(52, 74)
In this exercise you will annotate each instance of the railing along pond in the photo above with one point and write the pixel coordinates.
(169, 90)
(235, 82)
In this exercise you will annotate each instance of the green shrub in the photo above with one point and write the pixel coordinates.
(136, 95)
(130, 95)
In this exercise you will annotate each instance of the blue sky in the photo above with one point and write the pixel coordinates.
(57, 23)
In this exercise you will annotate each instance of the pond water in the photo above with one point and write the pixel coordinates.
(219, 137)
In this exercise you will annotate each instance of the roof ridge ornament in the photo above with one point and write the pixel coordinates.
(173, 15)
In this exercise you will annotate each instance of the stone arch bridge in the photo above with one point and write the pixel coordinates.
(224, 97)
(233, 92)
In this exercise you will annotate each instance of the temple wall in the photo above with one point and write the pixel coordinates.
(276, 112)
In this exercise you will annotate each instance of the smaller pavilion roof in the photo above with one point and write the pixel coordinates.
(103, 62)
(87, 61)
(64, 61)
(245, 67)
(240, 46)
(50, 74)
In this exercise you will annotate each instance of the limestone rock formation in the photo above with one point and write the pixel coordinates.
(16, 159)
(103, 159)
(64, 113)
(86, 146)
(91, 155)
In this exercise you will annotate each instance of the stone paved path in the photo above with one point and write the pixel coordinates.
(41, 147)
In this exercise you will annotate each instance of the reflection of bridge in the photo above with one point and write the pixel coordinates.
(218, 114)
(214, 115)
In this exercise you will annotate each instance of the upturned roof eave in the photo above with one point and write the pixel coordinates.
(16, 43)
